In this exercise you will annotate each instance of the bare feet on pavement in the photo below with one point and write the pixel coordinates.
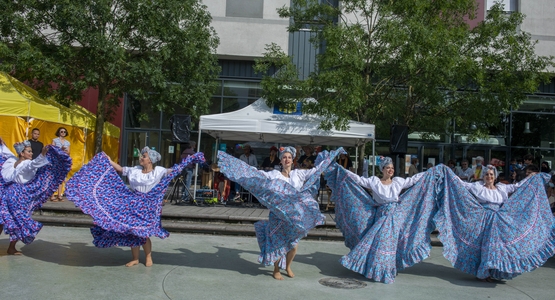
(132, 263)
(148, 262)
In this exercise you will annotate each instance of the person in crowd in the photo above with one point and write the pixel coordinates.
(429, 166)
(545, 167)
(527, 160)
(271, 162)
(307, 159)
(452, 165)
(104, 197)
(296, 163)
(388, 231)
(36, 145)
(551, 193)
(413, 169)
(464, 172)
(187, 172)
(221, 183)
(289, 195)
(249, 158)
(25, 185)
(495, 231)
(61, 142)
(345, 161)
(477, 170)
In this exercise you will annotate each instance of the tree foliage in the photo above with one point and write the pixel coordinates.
(161, 51)
(408, 62)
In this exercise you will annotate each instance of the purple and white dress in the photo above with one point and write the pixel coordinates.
(488, 233)
(26, 187)
(385, 232)
(123, 216)
(293, 210)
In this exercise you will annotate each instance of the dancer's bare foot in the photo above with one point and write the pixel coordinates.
(277, 275)
(487, 279)
(148, 262)
(289, 272)
(14, 252)
(132, 263)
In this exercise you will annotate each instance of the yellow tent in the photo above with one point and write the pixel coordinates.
(21, 110)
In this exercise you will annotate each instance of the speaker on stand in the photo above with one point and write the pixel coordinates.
(399, 144)
(399, 141)
(180, 126)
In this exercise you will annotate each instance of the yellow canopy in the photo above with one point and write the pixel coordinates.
(21, 110)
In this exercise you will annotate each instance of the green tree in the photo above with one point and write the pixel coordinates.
(162, 52)
(408, 62)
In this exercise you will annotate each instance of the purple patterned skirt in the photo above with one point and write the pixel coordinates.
(293, 213)
(495, 241)
(122, 217)
(383, 239)
(18, 201)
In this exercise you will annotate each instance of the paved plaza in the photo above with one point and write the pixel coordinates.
(62, 263)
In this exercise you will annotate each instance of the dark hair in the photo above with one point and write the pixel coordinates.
(35, 129)
(552, 178)
(464, 161)
(528, 157)
(532, 168)
(451, 162)
(58, 131)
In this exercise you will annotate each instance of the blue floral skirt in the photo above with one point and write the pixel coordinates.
(383, 238)
(495, 241)
(293, 213)
(18, 201)
(122, 217)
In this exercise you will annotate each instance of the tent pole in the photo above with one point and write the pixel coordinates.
(196, 167)
(374, 157)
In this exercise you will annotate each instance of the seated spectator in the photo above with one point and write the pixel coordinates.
(272, 161)
(464, 172)
(345, 161)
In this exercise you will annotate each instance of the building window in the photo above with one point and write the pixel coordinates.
(509, 5)
(244, 8)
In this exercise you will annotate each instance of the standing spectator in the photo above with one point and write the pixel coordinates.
(187, 172)
(345, 161)
(250, 159)
(429, 166)
(272, 161)
(545, 167)
(35, 144)
(413, 169)
(477, 170)
(61, 142)
(307, 160)
(526, 161)
(465, 173)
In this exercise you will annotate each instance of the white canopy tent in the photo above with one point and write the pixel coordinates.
(258, 122)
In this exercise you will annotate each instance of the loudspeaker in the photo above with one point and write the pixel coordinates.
(399, 142)
(180, 126)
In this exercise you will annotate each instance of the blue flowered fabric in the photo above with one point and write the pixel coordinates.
(293, 213)
(122, 217)
(495, 241)
(18, 201)
(383, 239)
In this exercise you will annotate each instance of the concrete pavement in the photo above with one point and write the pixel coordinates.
(62, 263)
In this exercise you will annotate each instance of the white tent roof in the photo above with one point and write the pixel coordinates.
(258, 122)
